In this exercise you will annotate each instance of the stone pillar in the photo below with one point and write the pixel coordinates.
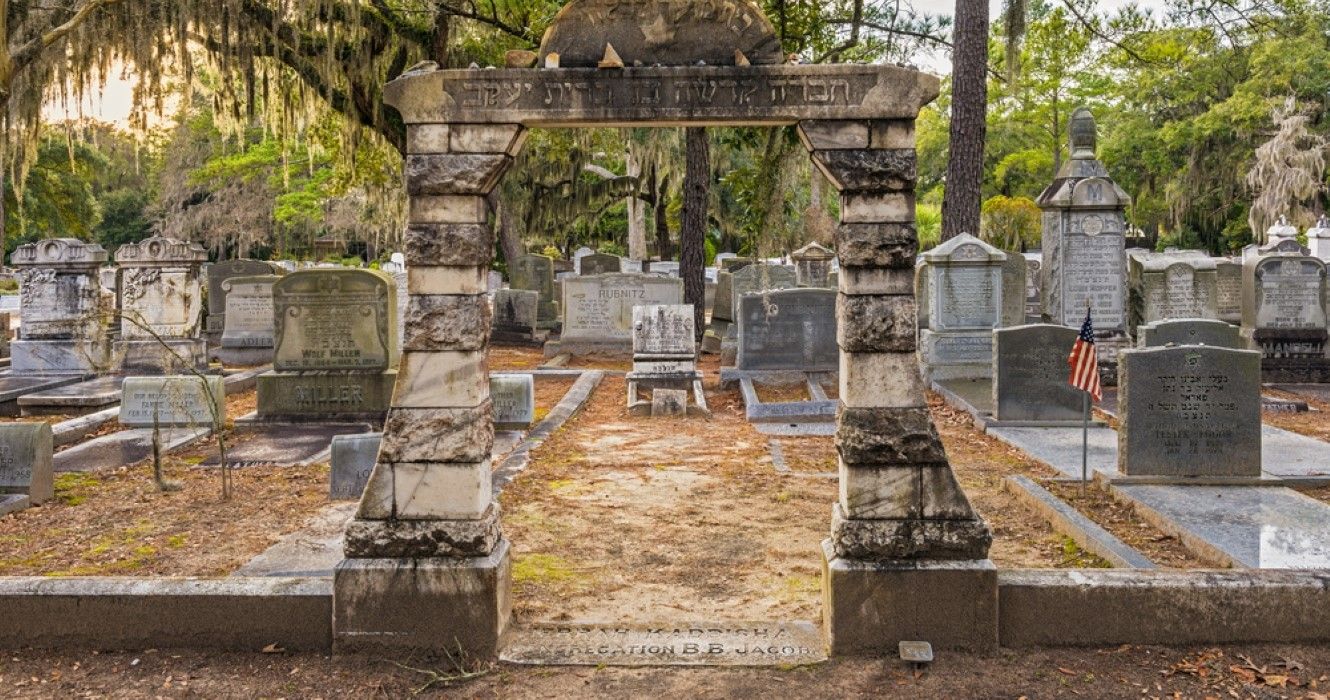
(63, 316)
(426, 564)
(161, 306)
(907, 555)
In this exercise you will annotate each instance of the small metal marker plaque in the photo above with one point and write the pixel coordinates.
(710, 644)
(916, 652)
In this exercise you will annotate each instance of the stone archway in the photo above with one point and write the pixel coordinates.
(426, 562)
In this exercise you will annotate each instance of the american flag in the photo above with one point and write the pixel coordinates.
(1084, 362)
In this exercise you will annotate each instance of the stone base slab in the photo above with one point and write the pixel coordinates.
(870, 607)
(72, 357)
(393, 539)
(1295, 371)
(302, 396)
(913, 539)
(170, 356)
(579, 348)
(242, 357)
(440, 605)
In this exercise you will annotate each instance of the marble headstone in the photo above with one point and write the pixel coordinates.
(812, 265)
(536, 273)
(63, 315)
(600, 264)
(219, 273)
(514, 401)
(335, 319)
(964, 289)
(1030, 375)
(186, 401)
(598, 309)
(353, 458)
(25, 461)
(249, 312)
(788, 330)
(515, 315)
(1284, 305)
(1191, 331)
(1190, 411)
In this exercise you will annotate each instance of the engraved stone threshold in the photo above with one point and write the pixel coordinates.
(707, 644)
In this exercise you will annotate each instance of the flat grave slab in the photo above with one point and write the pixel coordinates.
(13, 386)
(703, 644)
(1060, 448)
(284, 445)
(823, 429)
(313, 550)
(1296, 459)
(90, 395)
(1259, 528)
(122, 448)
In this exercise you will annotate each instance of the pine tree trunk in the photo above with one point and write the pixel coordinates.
(692, 239)
(969, 106)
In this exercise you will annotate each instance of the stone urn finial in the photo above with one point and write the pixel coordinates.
(1084, 134)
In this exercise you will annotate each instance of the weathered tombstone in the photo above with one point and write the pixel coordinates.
(64, 317)
(352, 458)
(493, 281)
(336, 347)
(26, 475)
(161, 305)
(1164, 286)
(964, 295)
(600, 264)
(514, 401)
(1191, 331)
(248, 335)
(812, 265)
(1034, 303)
(664, 360)
(598, 311)
(1228, 290)
(578, 255)
(1318, 239)
(749, 279)
(515, 317)
(219, 273)
(1284, 316)
(536, 273)
(1013, 290)
(1281, 232)
(668, 268)
(1030, 375)
(1191, 411)
(788, 330)
(174, 401)
(1084, 244)
(722, 314)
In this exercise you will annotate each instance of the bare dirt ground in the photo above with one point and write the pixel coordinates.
(549, 392)
(1283, 671)
(119, 524)
(1313, 424)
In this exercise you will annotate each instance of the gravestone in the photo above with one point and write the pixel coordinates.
(578, 256)
(1284, 316)
(174, 401)
(1281, 232)
(788, 330)
(812, 265)
(1191, 331)
(352, 458)
(664, 360)
(515, 317)
(750, 278)
(1014, 288)
(722, 314)
(1228, 290)
(26, 475)
(1034, 303)
(1084, 245)
(964, 285)
(336, 347)
(1190, 411)
(600, 264)
(1030, 375)
(248, 337)
(536, 273)
(668, 268)
(598, 311)
(1165, 286)
(218, 274)
(161, 306)
(1318, 239)
(64, 317)
(514, 401)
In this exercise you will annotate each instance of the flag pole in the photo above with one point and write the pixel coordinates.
(1085, 426)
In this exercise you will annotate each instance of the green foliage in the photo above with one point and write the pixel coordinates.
(928, 223)
(1011, 223)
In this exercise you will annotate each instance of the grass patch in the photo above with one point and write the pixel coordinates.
(542, 568)
(797, 586)
(1075, 557)
(71, 488)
